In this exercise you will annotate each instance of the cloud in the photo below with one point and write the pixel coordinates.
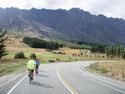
(110, 8)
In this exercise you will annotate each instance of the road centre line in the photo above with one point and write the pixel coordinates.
(66, 83)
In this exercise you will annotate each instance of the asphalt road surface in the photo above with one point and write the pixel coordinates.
(66, 78)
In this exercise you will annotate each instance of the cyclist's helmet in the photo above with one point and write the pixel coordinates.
(32, 56)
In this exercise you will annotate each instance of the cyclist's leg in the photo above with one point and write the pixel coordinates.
(32, 74)
(29, 75)
(36, 69)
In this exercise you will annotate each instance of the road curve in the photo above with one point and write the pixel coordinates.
(67, 78)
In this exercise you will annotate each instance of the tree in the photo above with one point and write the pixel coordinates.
(98, 48)
(115, 51)
(3, 38)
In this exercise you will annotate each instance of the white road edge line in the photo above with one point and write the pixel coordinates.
(12, 79)
(103, 82)
(9, 92)
(64, 82)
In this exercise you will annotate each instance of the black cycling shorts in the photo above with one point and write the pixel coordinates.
(30, 70)
(37, 66)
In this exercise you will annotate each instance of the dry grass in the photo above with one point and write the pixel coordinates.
(114, 70)
(16, 45)
(70, 51)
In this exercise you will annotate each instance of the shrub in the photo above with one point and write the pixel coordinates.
(19, 55)
(103, 70)
(51, 60)
(98, 68)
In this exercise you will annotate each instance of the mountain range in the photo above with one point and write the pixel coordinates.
(74, 24)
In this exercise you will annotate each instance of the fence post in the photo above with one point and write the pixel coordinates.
(123, 73)
(110, 68)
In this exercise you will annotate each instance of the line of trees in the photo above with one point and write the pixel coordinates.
(98, 48)
(115, 51)
(39, 43)
(3, 51)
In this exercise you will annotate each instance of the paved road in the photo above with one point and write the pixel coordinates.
(67, 78)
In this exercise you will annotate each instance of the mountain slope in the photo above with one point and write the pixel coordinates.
(74, 24)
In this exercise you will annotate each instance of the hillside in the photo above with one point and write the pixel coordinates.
(15, 45)
(73, 24)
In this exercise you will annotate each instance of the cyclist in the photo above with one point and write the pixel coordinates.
(31, 65)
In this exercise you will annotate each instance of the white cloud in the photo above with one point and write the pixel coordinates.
(111, 8)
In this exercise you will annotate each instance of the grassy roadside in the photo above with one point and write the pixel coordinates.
(10, 66)
(114, 70)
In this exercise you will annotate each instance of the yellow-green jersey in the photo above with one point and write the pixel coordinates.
(31, 64)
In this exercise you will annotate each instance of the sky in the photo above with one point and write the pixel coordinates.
(109, 8)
